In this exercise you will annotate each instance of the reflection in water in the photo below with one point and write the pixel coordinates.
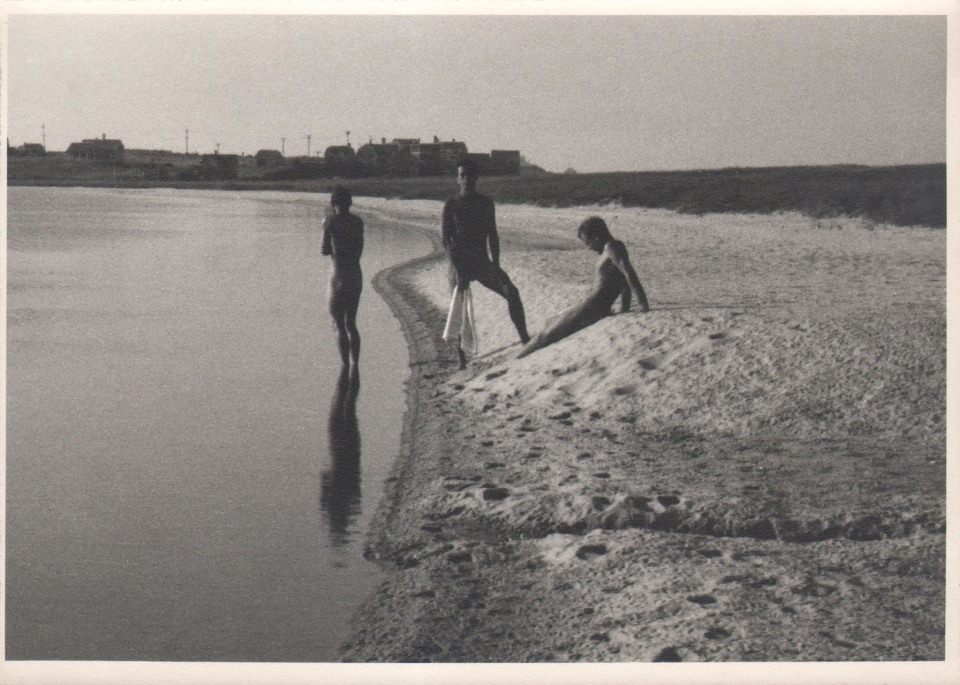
(340, 484)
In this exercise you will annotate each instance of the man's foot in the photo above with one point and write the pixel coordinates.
(461, 359)
(524, 339)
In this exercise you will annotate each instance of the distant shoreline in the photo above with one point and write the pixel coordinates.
(909, 195)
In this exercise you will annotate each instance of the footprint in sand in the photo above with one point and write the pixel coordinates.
(702, 600)
(717, 336)
(587, 552)
(668, 654)
(493, 493)
(495, 374)
(717, 634)
(648, 364)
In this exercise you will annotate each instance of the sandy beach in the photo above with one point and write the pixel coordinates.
(753, 471)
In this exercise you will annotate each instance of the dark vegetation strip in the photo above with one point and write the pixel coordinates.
(910, 195)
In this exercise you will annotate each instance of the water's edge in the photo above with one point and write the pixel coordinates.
(423, 344)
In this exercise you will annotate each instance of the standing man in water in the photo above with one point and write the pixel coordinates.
(468, 230)
(342, 239)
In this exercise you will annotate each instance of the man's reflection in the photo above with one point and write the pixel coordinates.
(340, 483)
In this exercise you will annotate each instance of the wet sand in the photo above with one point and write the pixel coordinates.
(753, 471)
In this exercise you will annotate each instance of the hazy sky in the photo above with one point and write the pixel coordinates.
(593, 93)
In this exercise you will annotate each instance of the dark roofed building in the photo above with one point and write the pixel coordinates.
(269, 158)
(385, 159)
(439, 157)
(97, 149)
(340, 160)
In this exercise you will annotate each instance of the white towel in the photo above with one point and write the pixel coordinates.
(460, 321)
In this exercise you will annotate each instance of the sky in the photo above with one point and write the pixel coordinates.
(589, 93)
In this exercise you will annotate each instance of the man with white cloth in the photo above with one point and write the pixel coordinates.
(468, 231)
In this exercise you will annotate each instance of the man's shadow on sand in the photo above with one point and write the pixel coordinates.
(340, 483)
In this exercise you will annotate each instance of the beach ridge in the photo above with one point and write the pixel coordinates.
(536, 513)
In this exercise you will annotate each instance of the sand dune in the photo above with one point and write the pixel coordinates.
(754, 470)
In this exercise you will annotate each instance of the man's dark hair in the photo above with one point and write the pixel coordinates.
(592, 227)
(341, 196)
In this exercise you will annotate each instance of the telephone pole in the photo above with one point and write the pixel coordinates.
(283, 147)
(308, 145)
(43, 128)
(186, 142)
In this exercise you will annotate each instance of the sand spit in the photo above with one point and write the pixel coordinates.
(754, 471)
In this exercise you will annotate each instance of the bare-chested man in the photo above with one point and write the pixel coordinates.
(468, 231)
(615, 278)
(342, 239)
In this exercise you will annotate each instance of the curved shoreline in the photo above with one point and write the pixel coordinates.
(423, 344)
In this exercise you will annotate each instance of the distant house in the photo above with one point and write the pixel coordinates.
(385, 159)
(97, 149)
(340, 160)
(269, 158)
(339, 152)
(438, 157)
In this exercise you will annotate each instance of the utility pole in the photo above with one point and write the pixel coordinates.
(186, 143)
(308, 145)
(283, 147)
(218, 148)
(43, 128)
(348, 138)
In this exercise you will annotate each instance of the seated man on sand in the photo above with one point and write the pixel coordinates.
(615, 278)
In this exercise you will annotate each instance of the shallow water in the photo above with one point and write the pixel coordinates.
(182, 481)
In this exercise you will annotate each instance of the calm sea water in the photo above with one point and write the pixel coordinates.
(186, 478)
